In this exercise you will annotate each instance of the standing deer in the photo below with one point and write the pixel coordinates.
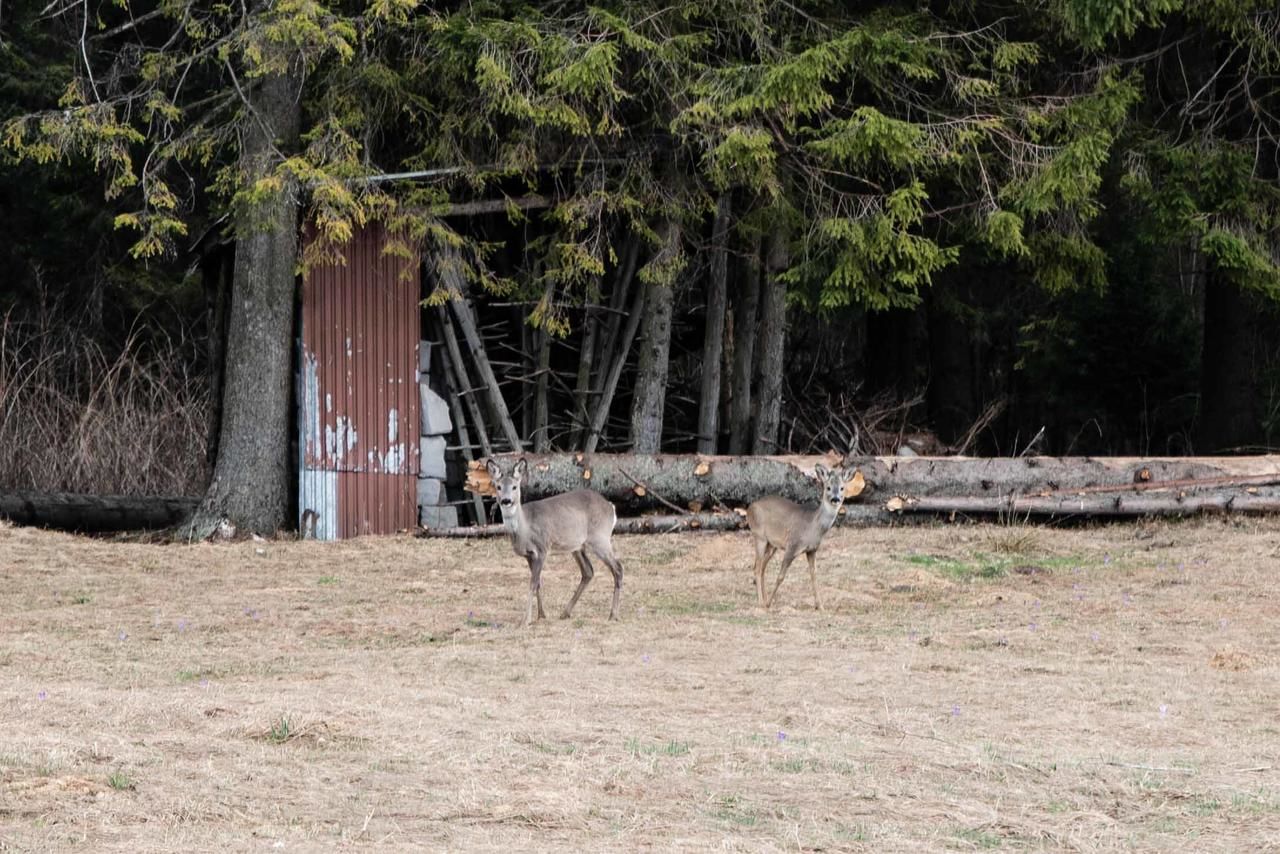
(573, 522)
(777, 523)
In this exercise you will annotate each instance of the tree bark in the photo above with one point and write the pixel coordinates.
(541, 427)
(619, 361)
(250, 485)
(1228, 404)
(686, 479)
(744, 349)
(582, 388)
(1099, 506)
(713, 335)
(649, 394)
(772, 348)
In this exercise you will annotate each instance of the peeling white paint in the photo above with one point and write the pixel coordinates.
(394, 461)
(310, 404)
(340, 439)
(328, 402)
(393, 426)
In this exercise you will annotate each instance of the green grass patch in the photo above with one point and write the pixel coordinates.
(120, 781)
(636, 747)
(281, 731)
(976, 837)
(81, 599)
(982, 566)
(325, 580)
(736, 810)
(678, 606)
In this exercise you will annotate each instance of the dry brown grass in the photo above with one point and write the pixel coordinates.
(76, 417)
(1094, 690)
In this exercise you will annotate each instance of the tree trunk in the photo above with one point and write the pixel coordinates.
(1228, 404)
(541, 427)
(217, 271)
(744, 349)
(686, 479)
(713, 336)
(583, 388)
(649, 394)
(618, 361)
(250, 485)
(1101, 506)
(772, 348)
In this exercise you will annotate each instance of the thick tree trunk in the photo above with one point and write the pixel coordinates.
(649, 394)
(685, 479)
(713, 335)
(1228, 404)
(744, 350)
(1099, 506)
(250, 484)
(217, 272)
(772, 347)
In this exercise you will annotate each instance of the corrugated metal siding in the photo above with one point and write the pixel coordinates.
(358, 393)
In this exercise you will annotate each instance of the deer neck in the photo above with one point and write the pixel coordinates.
(825, 516)
(514, 520)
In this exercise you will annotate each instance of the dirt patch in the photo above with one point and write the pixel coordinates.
(380, 694)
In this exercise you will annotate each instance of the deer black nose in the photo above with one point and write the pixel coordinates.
(506, 502)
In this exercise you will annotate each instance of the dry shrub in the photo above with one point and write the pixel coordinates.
(76, 417)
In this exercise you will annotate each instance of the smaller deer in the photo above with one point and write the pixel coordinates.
(777, 523)
(573, 522)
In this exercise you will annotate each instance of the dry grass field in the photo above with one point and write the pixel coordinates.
(969, 687)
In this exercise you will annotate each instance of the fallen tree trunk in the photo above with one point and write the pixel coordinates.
(660, 524)
(698, 481)
(94, 513)
(1096, 505)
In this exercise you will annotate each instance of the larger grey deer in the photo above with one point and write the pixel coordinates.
(573, 522)
(778, 523)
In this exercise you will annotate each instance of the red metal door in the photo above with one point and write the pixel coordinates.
(358, 393)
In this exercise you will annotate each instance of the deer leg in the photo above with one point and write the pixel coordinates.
(535, 586)
(584, 564)
(787, 556)
(605, 552)
(813, 578)
(764, 553)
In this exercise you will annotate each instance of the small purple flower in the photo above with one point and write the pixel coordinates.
(1106, 559)
(1094, 637)
(645, 658)
(1182, 567)
(43, 695)
(1222, 624)
(182, 625)
(1128, 600)
(955, 710)
(124, 636)
(1164, 710)
(782, 736)
(204, 683)
(1032, 627)
(1037, 604)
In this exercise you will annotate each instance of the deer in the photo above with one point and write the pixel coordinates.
(778, 523)
(575, 522)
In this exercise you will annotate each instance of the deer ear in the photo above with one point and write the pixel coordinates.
(495, 471)
(821, 471)
(849, 474)
(521, 467)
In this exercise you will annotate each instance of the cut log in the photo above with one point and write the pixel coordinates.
(95, 513)
(712, 480)
(1097, 505)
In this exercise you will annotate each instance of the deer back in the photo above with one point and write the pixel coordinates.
(568, 521)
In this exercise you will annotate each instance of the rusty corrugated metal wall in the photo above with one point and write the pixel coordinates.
(358, 393)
